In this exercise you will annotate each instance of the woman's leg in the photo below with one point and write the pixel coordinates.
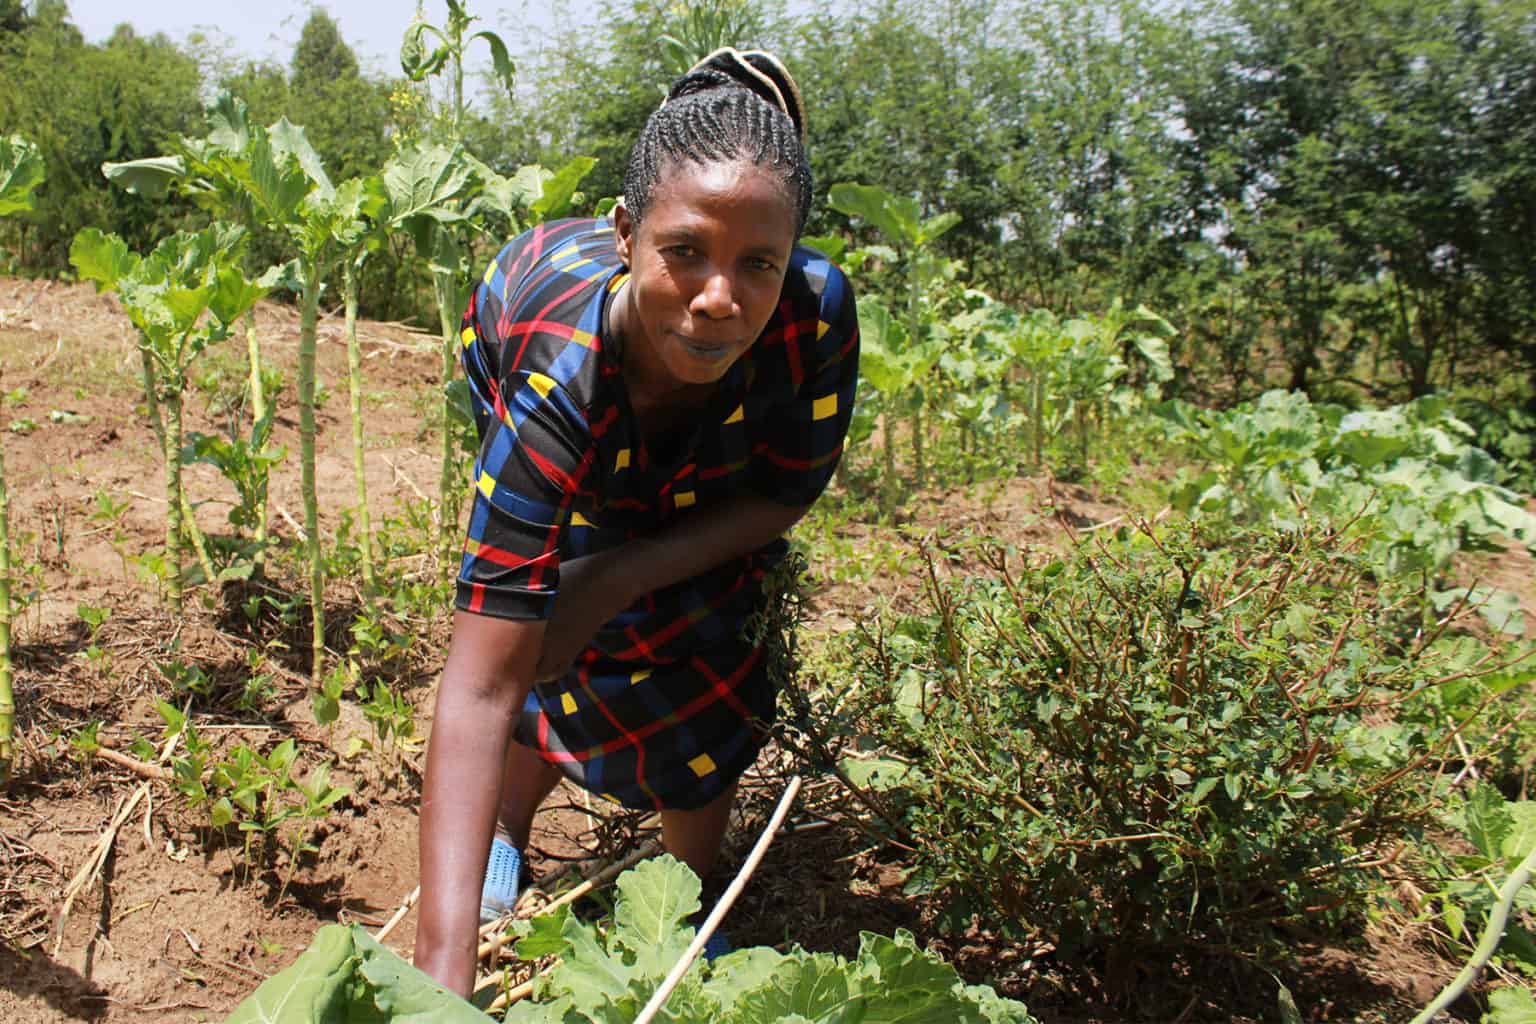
(693, 837)
(526, 779)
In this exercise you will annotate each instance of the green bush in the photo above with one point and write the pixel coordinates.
(1151, 742)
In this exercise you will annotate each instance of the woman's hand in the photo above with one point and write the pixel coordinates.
(592, 591)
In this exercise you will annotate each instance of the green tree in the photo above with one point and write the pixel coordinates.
(84, 106)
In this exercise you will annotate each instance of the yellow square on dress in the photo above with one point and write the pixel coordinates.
(702, 765)
(568, 703)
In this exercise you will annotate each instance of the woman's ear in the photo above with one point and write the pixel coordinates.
(623, 233)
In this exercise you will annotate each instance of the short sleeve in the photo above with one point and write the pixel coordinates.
(534, 447)
(800, 440)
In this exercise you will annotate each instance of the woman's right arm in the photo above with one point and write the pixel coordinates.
(486, 679)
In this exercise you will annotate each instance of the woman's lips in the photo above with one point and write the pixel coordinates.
(705, 349)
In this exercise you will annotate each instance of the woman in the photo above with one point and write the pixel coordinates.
(660, 397)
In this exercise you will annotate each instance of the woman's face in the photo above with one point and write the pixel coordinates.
(707, 266)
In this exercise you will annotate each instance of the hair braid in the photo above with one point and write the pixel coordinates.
(729, 107)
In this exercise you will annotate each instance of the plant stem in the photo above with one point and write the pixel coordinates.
(308, 314)
(258, 413)
(7, 697)
(448, 481)
(171, 439)
(355, 385)
(1493, 934)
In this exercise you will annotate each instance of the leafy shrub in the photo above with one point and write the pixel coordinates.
(1149, 742)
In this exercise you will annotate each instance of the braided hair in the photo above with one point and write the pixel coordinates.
(730, 106)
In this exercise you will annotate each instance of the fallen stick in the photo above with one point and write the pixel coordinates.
(399, 915)
(96, 860)
(143, 769)
(659, 998)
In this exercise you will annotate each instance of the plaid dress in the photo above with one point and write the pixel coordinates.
(670, 703)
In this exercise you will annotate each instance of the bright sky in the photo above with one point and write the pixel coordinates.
(371, 27)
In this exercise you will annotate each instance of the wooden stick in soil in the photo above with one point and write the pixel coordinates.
(659, 998)
(398, 916)
(7, 695)
(96, 860)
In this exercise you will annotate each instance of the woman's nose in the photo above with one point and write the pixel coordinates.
(716, 298)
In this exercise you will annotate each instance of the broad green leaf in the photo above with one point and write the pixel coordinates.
(234, 295)
(899, 984)
(544, 935)
(1513, 1005)
(654, 898)
(831, 246)
(814, 986)
(288, 139)
(554, 199)
(405, 994)
(422, 180)
(937, 225)
(501, 62)
(104, 259)
(895, 216)
(21, 171)
(1488, 820)
(1518, 842)
(879, 773)
(994, 1008)
(229, 123)
(151, 178)
(276, 184)
(313, 988)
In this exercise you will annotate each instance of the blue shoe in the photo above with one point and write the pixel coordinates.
(503, 879)
(717, 946)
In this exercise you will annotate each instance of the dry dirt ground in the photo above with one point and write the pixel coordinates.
(177, 926)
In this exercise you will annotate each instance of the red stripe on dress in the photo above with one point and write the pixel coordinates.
(721, 689)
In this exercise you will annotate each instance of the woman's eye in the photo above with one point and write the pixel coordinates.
(758, 263)
(681, 252)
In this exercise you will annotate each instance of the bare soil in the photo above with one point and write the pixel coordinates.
(180, 925)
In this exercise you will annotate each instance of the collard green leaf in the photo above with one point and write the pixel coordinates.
(229, 123)
(313, 988)
(21, 171)
(813, 985)
(895, 216)
(544, 935)
(1488, 820)
(899, 984)
(422, 181)
(405, 995)
(654, 899)
(289, 140)
(501, 61)
(103, 259)
(151, 178)
(555, 195)
(1518, 842)
(1512, 1005)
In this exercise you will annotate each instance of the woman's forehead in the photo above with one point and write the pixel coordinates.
(690, 191)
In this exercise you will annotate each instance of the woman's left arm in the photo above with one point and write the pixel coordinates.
(597, 587)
